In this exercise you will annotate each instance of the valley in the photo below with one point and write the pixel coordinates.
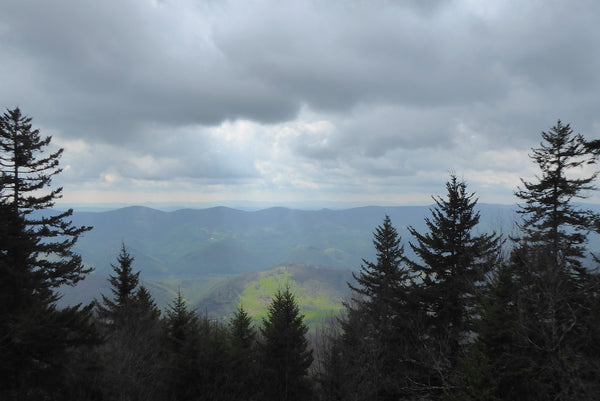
(220, 257)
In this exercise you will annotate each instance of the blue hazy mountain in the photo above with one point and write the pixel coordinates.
(220, 240)
(213, 255)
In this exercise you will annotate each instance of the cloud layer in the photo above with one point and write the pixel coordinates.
(373, 101)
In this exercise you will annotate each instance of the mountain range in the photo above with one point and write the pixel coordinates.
(221, 240)
(220, 256)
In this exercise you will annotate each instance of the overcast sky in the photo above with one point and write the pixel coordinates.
(373, 102)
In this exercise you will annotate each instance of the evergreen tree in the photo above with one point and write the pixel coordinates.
(36, 257)
(182, 347)
(242, 349)
(379, 346)
(215, 363)
(556, 291)
(549, 217)
(198, 364)
(454, 263)
(144, 305)
(380, 283)
(123, 283)
(495, 367)
(26, 176)
(131, 355)
(285, 354)
(243, 335)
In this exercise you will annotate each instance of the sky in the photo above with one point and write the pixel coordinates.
(289, 103)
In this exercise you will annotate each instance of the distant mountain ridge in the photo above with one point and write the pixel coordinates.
(220, 256)
(220, 240)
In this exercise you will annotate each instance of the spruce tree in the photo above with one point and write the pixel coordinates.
(123, 283)
(131, 355)
(144, 305)
(495, 367)
(549, 217)
(243, 335)
(242, 348)
(379, 284)
(198, 364)
(215, 362)
(182, 345)
(557, 291)
(36, 257)
(285, 354)
(453, 265)
(378, 346)
(26, 176)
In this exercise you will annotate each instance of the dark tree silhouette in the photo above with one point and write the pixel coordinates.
(36, 257)
(380, 283)
(549, 217)
(242, 348)
(378, 346)
(243, 335)
(131, 355)
(285, 354)
(495, 367)
(123, 284)
(26, 174)
(453, 265)
(183, 347)
(144, 305)
(557, 293)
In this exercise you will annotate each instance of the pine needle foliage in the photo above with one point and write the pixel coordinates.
(243, 335)
(26, 172)
(123, 284)
(453, 264)
(36, 257)
(549, 217)
(380, 283)
(285, 353)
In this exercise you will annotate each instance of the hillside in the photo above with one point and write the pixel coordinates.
(219, 257)
(319, 291)
(223, 241)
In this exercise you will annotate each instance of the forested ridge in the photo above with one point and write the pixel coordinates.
(468, 316)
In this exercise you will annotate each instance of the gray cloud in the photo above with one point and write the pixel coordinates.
(301, 95)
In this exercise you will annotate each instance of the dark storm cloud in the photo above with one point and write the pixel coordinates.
(107, 67)
(333, 58)
(112, 61)
(110, 64)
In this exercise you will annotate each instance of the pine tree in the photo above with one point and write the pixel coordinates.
(198, 365)
(36, 257)
(26, 175)
(378, 346)
(556, 291)
(144, 305)
(243, 335)
(285, 354)
(242, 348)
(123, 283)
(549, 217)
(131, 355)
(454, 263)
(215, 362)
(182, 347)
(495, 367)
(380, 283)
